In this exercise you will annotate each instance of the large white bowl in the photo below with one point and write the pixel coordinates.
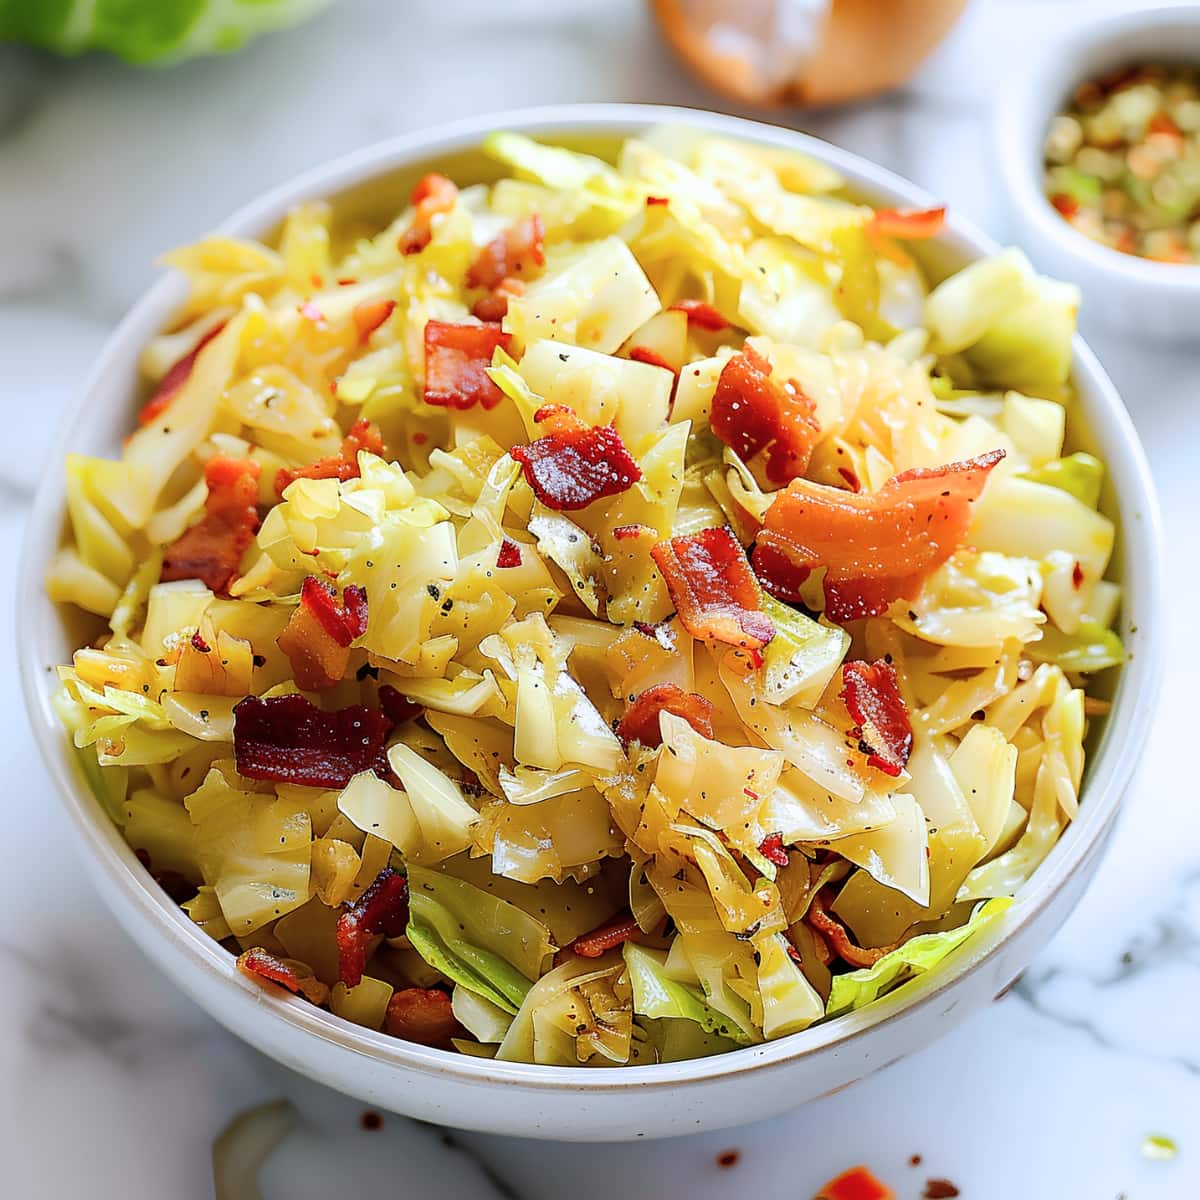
(578, 1103)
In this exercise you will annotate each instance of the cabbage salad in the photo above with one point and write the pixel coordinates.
(612, 615)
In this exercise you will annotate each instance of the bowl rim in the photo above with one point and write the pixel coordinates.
(113, 862)
(1021, 120)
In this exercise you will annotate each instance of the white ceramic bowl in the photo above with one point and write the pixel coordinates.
(1130, 295)
(579, 1103)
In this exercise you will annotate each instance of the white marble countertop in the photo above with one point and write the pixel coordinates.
(112, 1085)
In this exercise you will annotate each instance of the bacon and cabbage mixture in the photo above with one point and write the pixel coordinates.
(616, 614)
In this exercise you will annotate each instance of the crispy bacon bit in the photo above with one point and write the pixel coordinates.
(606, 937)
(910, 224)
(653, 201)
(872, 695)
(702, 315)
(640, 722)
(939, 1189)
(493, 307)
(1077, 576)
(575, 464)
(295, 976)
(319, 632)
(422, 1015)
(363, 435)
(174, 379)
(211, 549)
(518, 253)
(772, 849)
(288, 740)
(876, 546)
(198, 643)
(1067, 205)
(381, 910)
(398, 708)
(509, 554)
(370, 314)
(644, 354)
(751, 411)
(852, 480)
(456, 362)
(779, 576)
(713, 588)
(433, 195)
(855, 1184)
(838, 939)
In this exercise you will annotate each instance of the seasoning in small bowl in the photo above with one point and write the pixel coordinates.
(1123, 162)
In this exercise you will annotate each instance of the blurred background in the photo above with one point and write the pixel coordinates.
(111, 1083)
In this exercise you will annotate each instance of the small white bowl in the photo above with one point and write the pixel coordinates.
(579, 1103)
(1130, 295)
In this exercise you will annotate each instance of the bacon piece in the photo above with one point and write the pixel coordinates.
(319, 632)
(702, 315)
(606, 937)
(838, 939)
(370, 314)
(424, 1016)
(751, 411)
(875, 546)
(517, 253)
(288, 740)
(1067, 205)
(575, 464)
(296, 977)
(363, 435)
(855, 1184)
(494, 306)
(211, 549)
(910, 224)
(772, 849)
(456, 362)
(381, 910)
(872, 695)
(396, 707)
(779, 576)
(640, 722)
(434, 194)
(509, 554)
(174, 379)
(713, 589)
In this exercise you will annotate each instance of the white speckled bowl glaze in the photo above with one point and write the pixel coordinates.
(579, 1103)
(1133, 296)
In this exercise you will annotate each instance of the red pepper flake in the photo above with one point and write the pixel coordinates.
(509, 554)
(424, 1016)
(640, 722)
(656, 201)
(1067, 205)
(1077, 575)
(852, 480)
(702, 315)
(872, 695)
(751, 412)
(876, 547)
(728, 1158)
(915, 1160)
(319, 632)
(517, 253)
(370, 314)
(624, 532)
(363, 435)
(396, 707)
(174, 379)
(644, 354)
(433, 195)
(713, 589)
(347, 281)
(371, 1121)
(456, 362)
(381, 910)
(575, 464)
(939, 1189)
(856, 1184)
(606, 937)
(419, 438)
(198, 643)
(211, 549)
(910, 224)
(772, 849)
(286, 739)
(296, 977)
